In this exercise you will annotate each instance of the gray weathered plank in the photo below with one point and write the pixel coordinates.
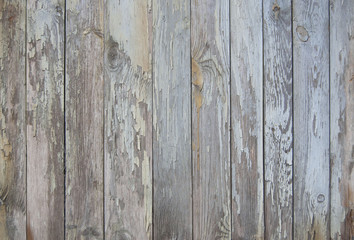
(128, 119)
(342, 115)
(45, 119)
(278, 118)
(84, 119)
(12, 120)
(246, 119)
(311, 119)
(211, 119)
(172, 120)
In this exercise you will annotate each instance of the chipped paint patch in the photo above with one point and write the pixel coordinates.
(6, 163)
(146, 181)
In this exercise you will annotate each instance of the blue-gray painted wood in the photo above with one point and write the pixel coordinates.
(311, 119)
(278, 118)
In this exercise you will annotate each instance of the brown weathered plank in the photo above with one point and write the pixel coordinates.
(342, 115)
(12, 120)
(84, 119)
(278, 118)
(246, 119)
(211, 119)
(128, 119)
(45, 119)
(311, 119)
(172, 194)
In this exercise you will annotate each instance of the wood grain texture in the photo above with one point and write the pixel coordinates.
(311, 119)
(45, 118)
(342, 115)
(278, 118)
(211, 119)
(172, 120)
(128, 119)
(84, 119)
(246, 119)
(12, 120)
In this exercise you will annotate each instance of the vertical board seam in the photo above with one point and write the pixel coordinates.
(25, 123)
(64, 100)
(329, 122)
(191, 110)
(230, 121)
(263, 124)
(103, 119)
(293, 125)
(152, 123)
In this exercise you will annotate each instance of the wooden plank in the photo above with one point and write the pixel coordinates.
(45, 119)
(211, 119)
(172, 120)
(311, 119)
(342, 115)
(278, 118)
(128, 119)
(246, 119)
(12, 120)
(84, 119)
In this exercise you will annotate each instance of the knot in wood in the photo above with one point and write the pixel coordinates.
(116, 57)
(123, 234)
(91, 232)
(276, 10)
(59, 10)
(302, 33)
(321, 198)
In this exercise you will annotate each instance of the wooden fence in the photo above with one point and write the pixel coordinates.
(176, 119)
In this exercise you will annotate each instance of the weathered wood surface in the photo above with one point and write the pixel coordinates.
(128, 119)
(211, 119)
(84, 119)
(12, 120)
(342, 115)
(246, 119)
(311, 119)
(183, 119)
(278, 118)
(172, 205)
(45, 119)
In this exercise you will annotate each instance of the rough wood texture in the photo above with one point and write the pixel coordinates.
(128, 119)
(180, 119)
(12, 120)
(45, 119)
(246, 119)
(342, 115)
(211, 119)
(278, 118)
(84, 119)
(311, 119)
(172, 120)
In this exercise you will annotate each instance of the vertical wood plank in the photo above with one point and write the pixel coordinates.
(311, 119)
(211, 119)
(342, 115)
(128, 119)
(246, 119)
(278, 118)
(45, 119)
(12, 120)
(172, 120)
(84, 119)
